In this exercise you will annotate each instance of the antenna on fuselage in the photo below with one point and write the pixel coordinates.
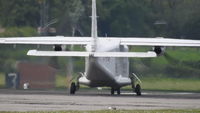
(94, 32)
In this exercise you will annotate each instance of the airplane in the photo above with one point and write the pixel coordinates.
(106, 58)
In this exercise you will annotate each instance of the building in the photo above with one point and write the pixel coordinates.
(38, 76)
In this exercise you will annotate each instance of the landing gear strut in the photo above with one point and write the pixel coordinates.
(75, 86)
(137, 87)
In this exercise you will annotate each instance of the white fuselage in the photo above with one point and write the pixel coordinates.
(106, 71)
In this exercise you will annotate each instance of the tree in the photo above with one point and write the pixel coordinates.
(19, 13)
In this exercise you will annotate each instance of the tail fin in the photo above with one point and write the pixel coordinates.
(94, 32)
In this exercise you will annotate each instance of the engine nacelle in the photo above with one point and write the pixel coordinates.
(57, 48)
(159, 50)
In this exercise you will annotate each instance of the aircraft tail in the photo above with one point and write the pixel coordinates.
(94, 32)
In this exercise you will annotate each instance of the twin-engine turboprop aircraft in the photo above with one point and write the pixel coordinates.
(106, 58)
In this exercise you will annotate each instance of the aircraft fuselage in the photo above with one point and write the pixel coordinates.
(106, 71)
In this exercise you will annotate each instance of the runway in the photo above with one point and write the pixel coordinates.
(53, 100)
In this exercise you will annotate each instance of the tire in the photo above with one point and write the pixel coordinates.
(138, 90)
(72, 88)
(118, 91)
(112, 91)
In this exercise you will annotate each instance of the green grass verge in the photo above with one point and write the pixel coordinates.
(2, 80)
(171, 84)
(61, 82)
(181, 54)
(118, 111)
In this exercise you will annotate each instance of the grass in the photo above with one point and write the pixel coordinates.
(186, 54)
(171, 84)
(117, 111)
(60, 81)
(2, 80)
(181, 54)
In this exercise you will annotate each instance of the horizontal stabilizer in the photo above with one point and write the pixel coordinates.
(94, 54)
(125, 54)
(58, 53)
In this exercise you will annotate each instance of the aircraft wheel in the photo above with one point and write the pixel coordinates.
(138, 90)
(72, 88)
(112, 91)
(118, 91)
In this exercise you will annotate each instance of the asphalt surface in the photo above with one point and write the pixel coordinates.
(53, 100)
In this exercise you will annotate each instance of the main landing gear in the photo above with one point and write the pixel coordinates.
(138, 90)
(75, 86)
(72, 88)
(115, 89)
(135, 84)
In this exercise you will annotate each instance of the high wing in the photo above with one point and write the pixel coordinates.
(61, 40)
(58, 40)
(159, 41)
